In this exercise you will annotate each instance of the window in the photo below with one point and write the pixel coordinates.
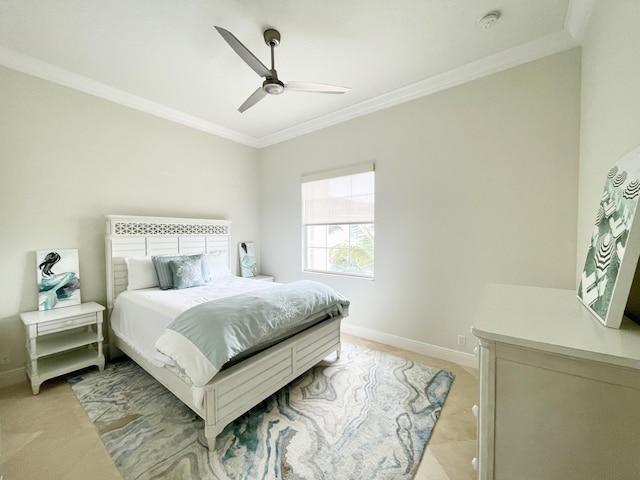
(337, 218)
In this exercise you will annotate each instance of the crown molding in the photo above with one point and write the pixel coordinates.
(513, 57)
(506, 59)
(46, 71)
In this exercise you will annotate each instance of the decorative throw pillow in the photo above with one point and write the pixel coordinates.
(140, 273)
(163, 270)
(187, 272)
(216, 265)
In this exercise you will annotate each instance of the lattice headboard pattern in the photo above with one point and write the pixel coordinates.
(131, 236)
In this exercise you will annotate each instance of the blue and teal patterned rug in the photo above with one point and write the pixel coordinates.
(367, 415)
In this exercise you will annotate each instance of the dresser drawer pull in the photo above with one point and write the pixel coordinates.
(474, 410)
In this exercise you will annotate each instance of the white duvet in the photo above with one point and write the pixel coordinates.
(140, 317)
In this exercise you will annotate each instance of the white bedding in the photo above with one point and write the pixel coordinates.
(140, 317)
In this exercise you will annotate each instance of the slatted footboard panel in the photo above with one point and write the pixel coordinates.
(241, 391)
(315, 347)
(236, 390)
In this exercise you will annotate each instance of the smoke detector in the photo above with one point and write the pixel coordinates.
(489, 20)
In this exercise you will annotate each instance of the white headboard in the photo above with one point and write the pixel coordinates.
(131, 236)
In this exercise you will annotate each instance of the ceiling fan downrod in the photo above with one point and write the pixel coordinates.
(272, 85)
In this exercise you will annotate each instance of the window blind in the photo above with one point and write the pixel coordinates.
(339, 197)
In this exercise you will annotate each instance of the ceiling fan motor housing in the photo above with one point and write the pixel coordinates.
(272, 37)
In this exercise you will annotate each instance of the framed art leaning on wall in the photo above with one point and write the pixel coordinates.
(58, 275)
(614, 248)
(248, 264)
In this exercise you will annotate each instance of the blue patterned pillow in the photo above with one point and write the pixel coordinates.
(163, 269)
(187, 273)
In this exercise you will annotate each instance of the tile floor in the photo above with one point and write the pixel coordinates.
(48, 436)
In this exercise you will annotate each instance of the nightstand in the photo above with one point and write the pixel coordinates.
(62, 340)
(264, 278)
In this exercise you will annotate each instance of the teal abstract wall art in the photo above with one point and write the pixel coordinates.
(58, 275)
(615, 244)
(248, 264)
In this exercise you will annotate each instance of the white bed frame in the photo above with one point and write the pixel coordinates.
(235, 390)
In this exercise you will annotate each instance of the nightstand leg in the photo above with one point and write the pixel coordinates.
(35, 386)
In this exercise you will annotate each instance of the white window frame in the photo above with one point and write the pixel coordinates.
(325, 220)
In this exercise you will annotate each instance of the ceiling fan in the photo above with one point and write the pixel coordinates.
(271, 85)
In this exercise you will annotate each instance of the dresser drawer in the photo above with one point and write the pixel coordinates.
(66, 323)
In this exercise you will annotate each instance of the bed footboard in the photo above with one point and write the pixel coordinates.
(236, 390)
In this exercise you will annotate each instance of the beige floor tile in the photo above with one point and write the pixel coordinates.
(430, 468)
(455, 458)
(49, 435)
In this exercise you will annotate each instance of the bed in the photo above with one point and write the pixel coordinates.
(137, 322)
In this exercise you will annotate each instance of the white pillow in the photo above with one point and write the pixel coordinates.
(218, 265)
(141, 273)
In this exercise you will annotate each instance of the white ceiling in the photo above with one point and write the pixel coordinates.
(164, 57)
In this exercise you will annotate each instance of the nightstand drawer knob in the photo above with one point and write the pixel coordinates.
(474, 463)
(474, 410)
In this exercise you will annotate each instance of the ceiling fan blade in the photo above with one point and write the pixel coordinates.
(314, 87)
(254, 98)
(246, 55)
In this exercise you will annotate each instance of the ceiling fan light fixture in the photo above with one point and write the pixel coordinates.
(273, 87)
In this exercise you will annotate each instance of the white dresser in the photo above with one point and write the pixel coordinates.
(559, 392)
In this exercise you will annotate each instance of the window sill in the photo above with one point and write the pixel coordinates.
(339, 275)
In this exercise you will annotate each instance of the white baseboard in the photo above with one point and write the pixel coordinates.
(12, 377)
(461, 358)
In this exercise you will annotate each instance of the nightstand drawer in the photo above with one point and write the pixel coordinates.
(66, 323)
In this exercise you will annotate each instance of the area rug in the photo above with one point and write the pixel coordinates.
(367, 415)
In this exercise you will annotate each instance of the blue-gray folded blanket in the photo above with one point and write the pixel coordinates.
(205, 337)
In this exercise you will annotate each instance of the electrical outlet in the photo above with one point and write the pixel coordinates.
(462, 340)
(4, 358)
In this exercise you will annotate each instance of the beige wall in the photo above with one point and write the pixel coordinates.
(475, 184)
(67, 158)
(610, 108)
